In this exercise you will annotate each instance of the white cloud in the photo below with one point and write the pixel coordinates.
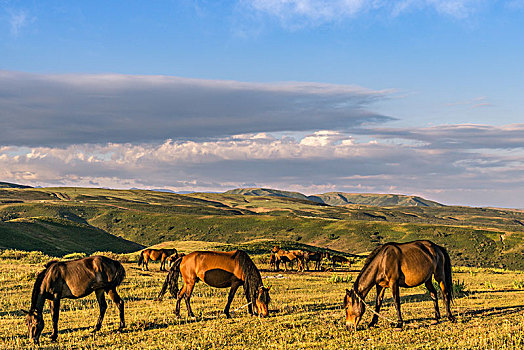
(319, 162)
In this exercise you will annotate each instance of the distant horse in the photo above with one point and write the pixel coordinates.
(340, 259)
(219, 270)
(74, 279)
(273, 262)
(316, 257)
(397, 265)
(288, 256)
(154, 255)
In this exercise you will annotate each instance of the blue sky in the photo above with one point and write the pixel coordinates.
(409, 96)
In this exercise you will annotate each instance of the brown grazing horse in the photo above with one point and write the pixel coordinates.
(74, 279)
(219, 270)
(154, 255)
(340, 259)
(316, 257)
(288, 256)
(397, 265)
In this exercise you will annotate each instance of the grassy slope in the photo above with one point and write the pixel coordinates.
(471, 234)
(341, 198)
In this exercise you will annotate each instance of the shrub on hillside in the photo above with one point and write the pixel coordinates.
(34, 257)
(73, 256)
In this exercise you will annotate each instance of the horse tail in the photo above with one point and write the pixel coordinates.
(141, 259)
(171, 280)
(252, 277)
(447, 275)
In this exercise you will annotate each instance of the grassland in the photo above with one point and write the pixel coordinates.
(474, 236)
(306, 313)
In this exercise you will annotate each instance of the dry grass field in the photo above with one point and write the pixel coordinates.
(306, 313)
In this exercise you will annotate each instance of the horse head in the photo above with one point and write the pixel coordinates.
(262, 301)
(354, 309)
(35, 324)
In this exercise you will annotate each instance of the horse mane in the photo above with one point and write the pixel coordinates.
(38, 282)
(368, 262)
(252, 277)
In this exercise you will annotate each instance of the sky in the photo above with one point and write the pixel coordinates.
(416, 97)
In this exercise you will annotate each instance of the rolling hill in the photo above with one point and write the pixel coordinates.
(474, 236)
(341, 198)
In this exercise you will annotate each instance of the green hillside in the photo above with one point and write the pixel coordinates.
(11, 185)
(372, 199)
(341, 198)
(58, 237)
(474, 236)
(266, 192)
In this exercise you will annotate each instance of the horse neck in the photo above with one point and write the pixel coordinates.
(37, 297)
(365, 280)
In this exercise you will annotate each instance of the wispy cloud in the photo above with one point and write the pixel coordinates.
(69, 109)
(321, 11)
(18, 19)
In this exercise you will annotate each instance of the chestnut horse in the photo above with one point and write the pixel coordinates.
(288, 256)
(219, 270)
(397, 265)
(74, 279)
(154, 255)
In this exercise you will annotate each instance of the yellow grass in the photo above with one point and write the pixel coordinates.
(306, 313)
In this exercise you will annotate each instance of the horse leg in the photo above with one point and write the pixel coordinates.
(230, 297)
(396, 297)
(433, 294)
(378, 304)
(444, 288)
(101, 298)
(146, 262)
(120, 304)
(162, 263)
(55, 313)
(179, 299)
(187, 297)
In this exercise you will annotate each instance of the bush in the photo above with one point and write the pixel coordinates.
(340, 279)
(73, 256)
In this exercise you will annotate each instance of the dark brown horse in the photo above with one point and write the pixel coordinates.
(397, 265)
(340, 259)
(316, 257)
(288, 256)
(219, 270)
(154, 255)
(74, 279)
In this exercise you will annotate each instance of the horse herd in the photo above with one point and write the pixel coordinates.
(303, 257)
(391, 265)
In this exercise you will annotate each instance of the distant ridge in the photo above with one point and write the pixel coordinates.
(341, 198)
(10, 185)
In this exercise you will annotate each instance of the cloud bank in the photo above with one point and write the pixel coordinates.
(57, 110)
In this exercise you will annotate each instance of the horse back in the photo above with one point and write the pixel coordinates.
(78, 278)
(412, 263)
(204, 264)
